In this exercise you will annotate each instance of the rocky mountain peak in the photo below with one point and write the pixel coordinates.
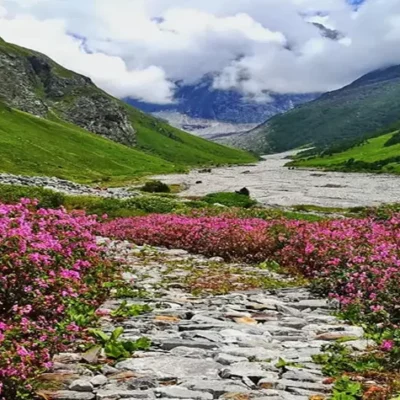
(32, 82)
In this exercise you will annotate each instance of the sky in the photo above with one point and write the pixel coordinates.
(142, 48)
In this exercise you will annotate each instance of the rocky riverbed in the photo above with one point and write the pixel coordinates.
(272, 184)
(208, 346)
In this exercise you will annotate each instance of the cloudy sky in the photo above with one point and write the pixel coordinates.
(140, 48)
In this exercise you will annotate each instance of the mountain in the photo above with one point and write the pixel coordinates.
(32, 82)
(197, 107)
(56, 122)
(378, 153)
(368, 104)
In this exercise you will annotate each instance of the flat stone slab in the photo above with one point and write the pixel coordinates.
(216, 387)
(248, 369)
(70, 395)
(176, 392)
(170, 367)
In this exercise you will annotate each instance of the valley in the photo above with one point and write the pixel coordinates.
(139, 260)
(273, 184)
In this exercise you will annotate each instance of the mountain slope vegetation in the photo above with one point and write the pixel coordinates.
(35, 146)
(75, 118)
(366, 105)
(376, 154)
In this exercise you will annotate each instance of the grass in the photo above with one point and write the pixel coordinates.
(55, 147)
(160, 139)
(373, 152)
(349, 113)
(34, 146)
(229, 200)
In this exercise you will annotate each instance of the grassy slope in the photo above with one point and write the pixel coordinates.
(160, 139)
(365, 106)
(167, 145)
(33, 146)
(372, 151)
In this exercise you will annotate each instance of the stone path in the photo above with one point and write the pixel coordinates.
(209, 347)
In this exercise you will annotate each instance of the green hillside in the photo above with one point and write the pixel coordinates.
(160, 139)
(368, 104)
(34, 146)
(378, 154)
(76, 119)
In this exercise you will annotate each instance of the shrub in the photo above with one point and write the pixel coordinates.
(233, 239)
(156, 187)
(50, 268)
(11, 194)
(152, 204)
(355, 261)
(230, 199)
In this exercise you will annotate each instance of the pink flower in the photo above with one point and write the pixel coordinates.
(387, 345)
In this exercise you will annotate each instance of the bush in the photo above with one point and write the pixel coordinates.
(156, 187)
(12, 194)
(233, 239)
(49, 265)
(152, 204)
(230, 199)
(355, 261)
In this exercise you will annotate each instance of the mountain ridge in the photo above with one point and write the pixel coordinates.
(362, 107)
(201, 102)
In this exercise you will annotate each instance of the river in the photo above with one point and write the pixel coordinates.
(272, 184)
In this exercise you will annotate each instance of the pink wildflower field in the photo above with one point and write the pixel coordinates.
(51, 270)
(49, 263)
(356, 261)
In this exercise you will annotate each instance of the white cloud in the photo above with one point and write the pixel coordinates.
(138, 47)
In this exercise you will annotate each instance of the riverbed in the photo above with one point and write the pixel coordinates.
(273, 184)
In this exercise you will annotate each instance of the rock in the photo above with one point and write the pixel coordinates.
(273, 394)
(182, 351)
(69, 395)
(216, 387)
(246, 320)
(171, 344)
(108, 370)
(302, 375)
(254, 353)
(91, 356)
(98, 380)
(313, 304)
(124, 394)
(81, 385)
(228, 359)
(288, 384)
(177, 392)
(170, 367)
(67, 358)
(248, 369)
(360, 345)
(142, 383)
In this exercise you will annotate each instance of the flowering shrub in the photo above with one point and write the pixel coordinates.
(356, 261)
(232, 239)
(49, 263)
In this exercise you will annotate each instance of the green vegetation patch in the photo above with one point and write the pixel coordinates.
(373, 155)
(35, 146)
(160, 139)
(230, 199)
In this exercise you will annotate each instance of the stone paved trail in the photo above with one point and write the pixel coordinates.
(210, 347)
